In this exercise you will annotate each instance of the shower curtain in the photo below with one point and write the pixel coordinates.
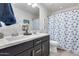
(64, 28)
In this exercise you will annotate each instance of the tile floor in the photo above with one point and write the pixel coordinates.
(62, 53)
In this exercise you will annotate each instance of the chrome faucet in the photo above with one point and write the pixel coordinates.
(1, 35)
(2, 24)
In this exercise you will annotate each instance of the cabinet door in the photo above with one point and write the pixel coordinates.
(45, 48)
(25, 53)
(37, 50)
(13, 50)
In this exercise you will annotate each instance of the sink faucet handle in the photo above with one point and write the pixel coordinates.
(1, 35)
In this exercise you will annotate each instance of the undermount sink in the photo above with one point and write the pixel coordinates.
(19, 37)
(12, 38)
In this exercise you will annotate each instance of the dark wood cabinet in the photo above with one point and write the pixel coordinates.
(26, 53)
(36, 47)
(41, 46)
(14, 50)
(37, 50)
(45, 48)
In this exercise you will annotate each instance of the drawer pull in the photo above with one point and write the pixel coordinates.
(33, 52)
(38, 42)
(38, 51)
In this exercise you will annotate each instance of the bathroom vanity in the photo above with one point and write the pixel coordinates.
(30, 45)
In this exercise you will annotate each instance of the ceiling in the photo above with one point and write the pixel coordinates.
(60, 6)
(52, 7)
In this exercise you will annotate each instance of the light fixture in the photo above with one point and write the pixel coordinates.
(29, 3)
(34, 5)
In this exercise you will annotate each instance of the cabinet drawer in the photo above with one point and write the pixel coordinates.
(37, 41)
(26, 53)
(37, 50)
(13, 50)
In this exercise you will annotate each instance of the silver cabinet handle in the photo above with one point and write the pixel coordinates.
(33, 52)
(38, 51)
(38, 42)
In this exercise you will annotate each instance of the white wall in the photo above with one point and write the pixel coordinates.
(43, 13)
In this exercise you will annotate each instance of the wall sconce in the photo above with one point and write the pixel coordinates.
(33, 4)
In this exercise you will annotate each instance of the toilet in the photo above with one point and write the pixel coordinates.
(53, 46)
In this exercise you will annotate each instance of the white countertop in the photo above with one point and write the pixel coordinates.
(11, 41)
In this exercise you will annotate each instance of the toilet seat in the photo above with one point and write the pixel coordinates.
(53, 43)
